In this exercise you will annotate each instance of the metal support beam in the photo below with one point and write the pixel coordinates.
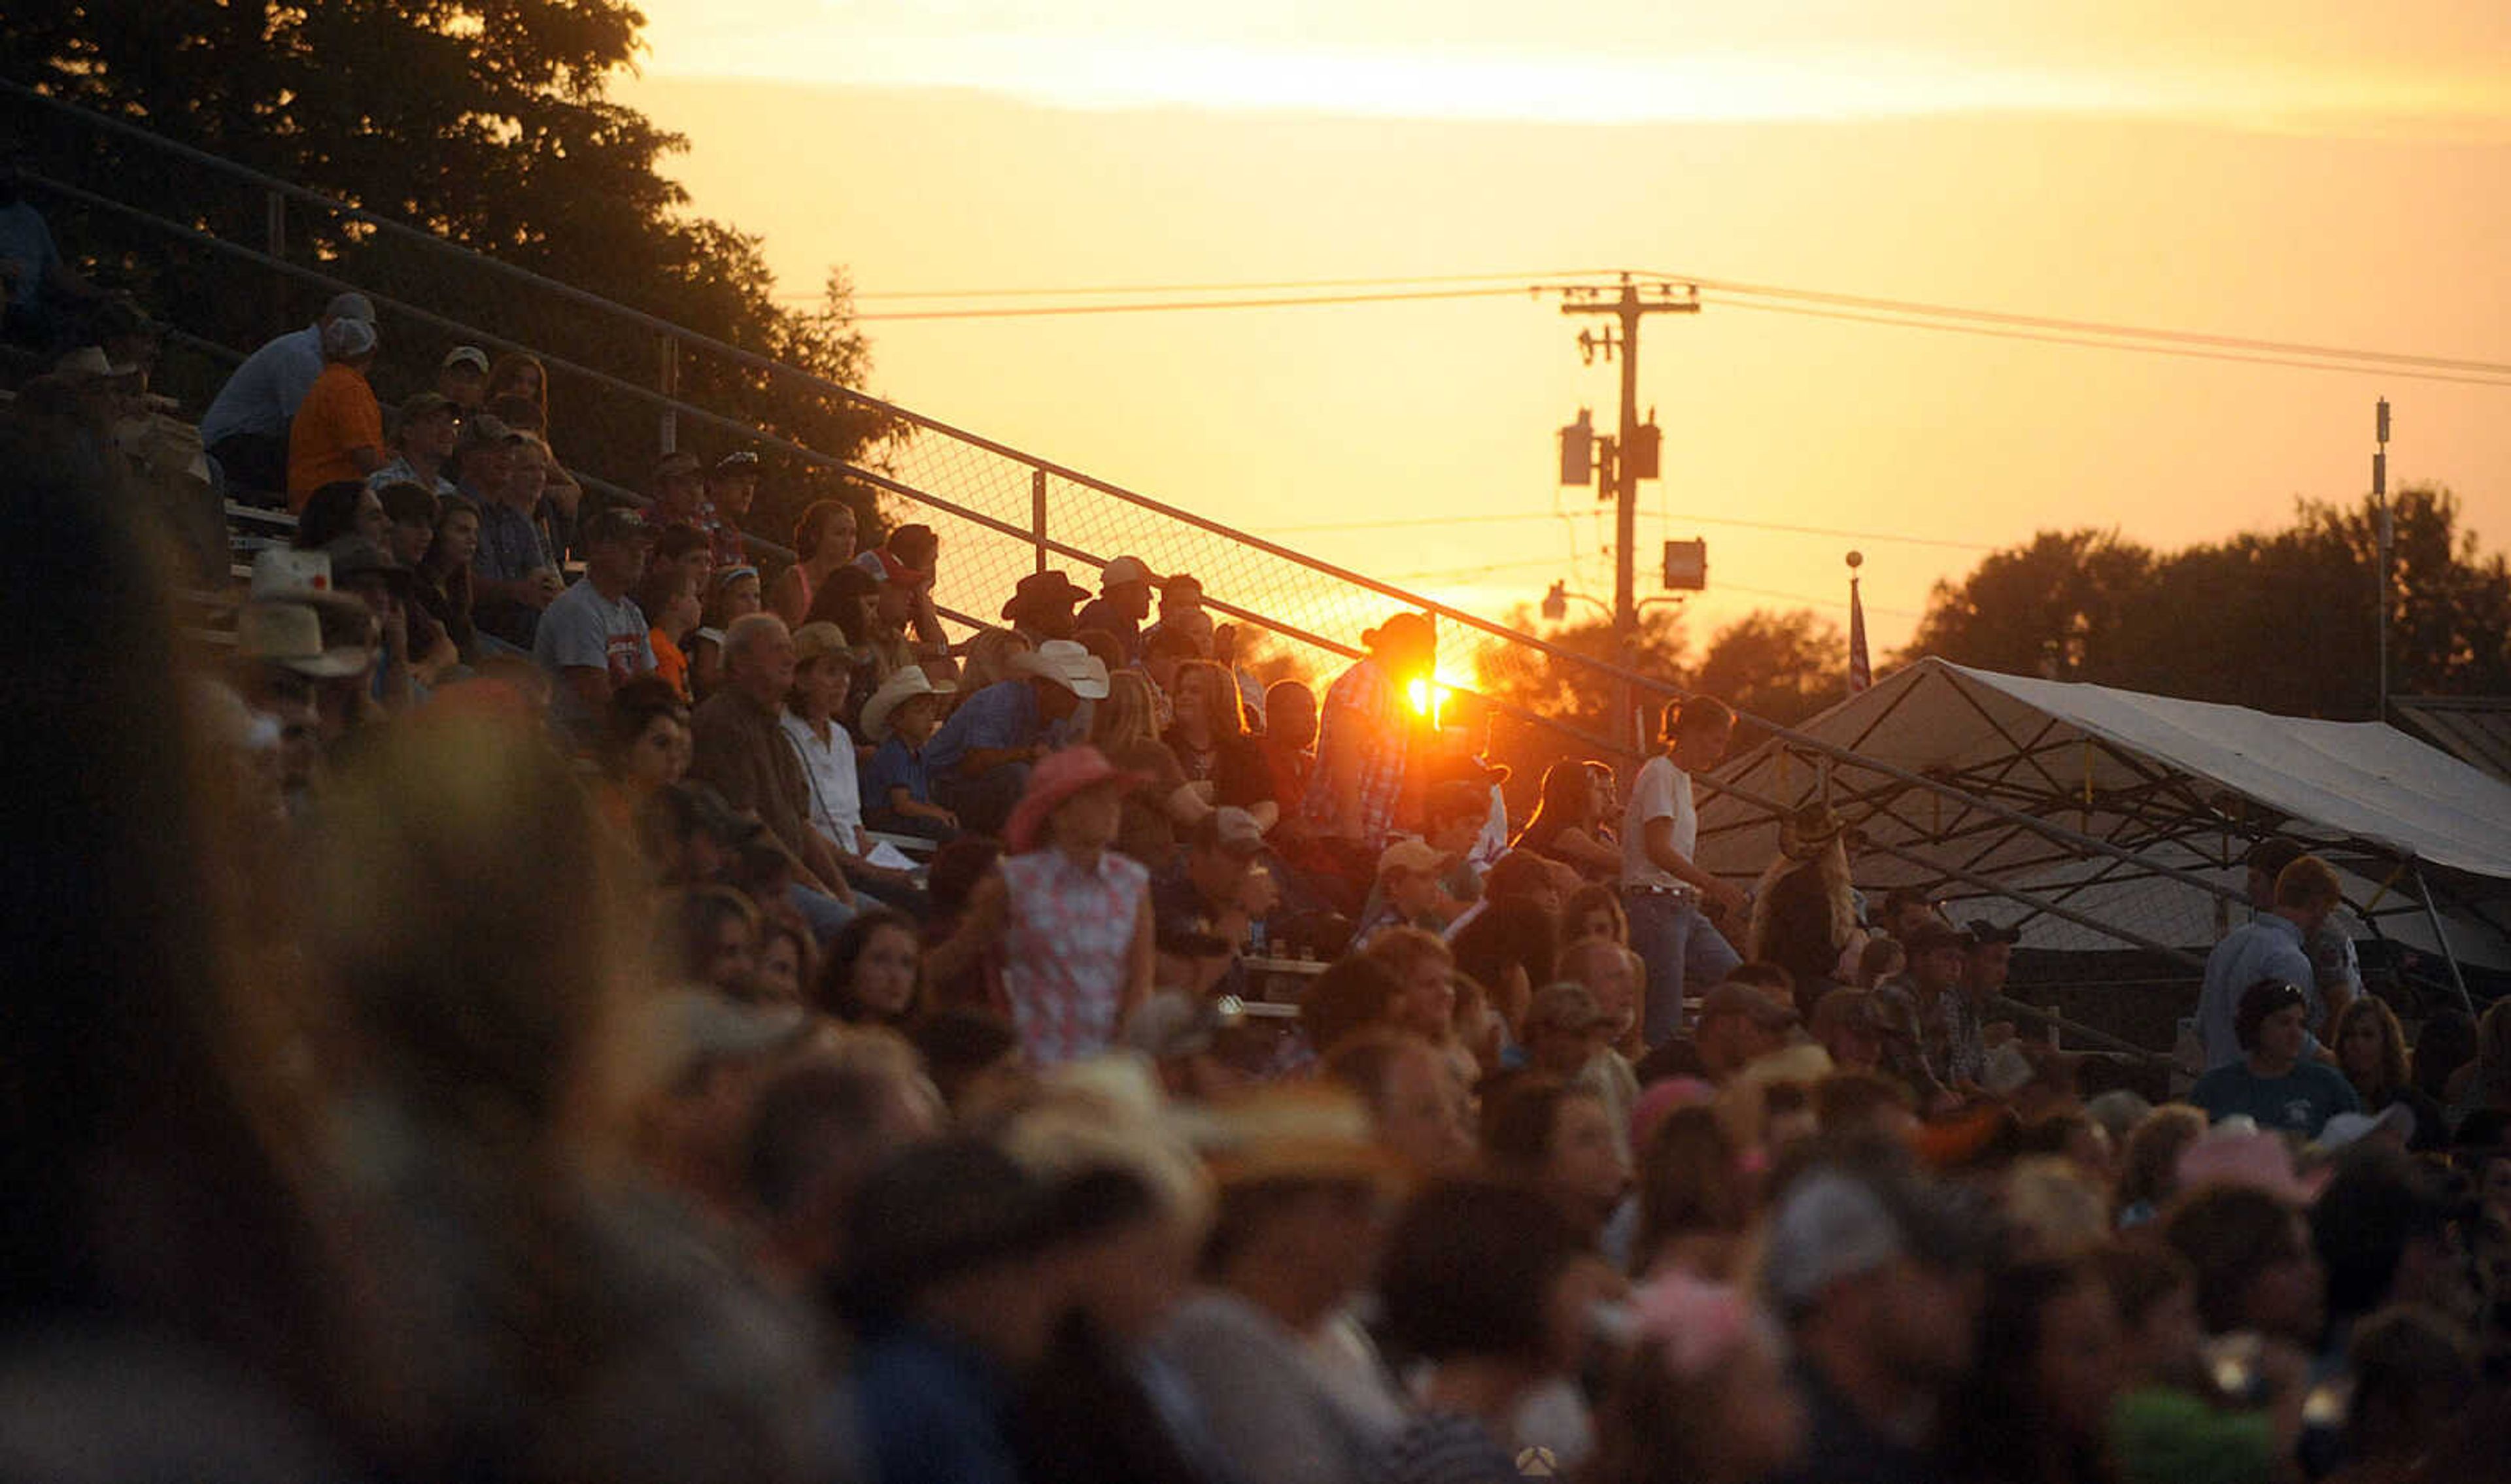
(2440, 936)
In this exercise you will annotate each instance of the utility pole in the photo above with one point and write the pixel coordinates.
(1637, 451)
(2380, 560)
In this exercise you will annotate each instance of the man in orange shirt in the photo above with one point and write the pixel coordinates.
(338, 432)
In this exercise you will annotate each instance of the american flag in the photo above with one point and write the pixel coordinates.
(1860, 670)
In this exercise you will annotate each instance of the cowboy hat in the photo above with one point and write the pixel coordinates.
(1054, 779)
(902, 685)
(1067, 664)
(1807, 829)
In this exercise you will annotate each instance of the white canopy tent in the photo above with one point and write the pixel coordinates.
(2103, 819)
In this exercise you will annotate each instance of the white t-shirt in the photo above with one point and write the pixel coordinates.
(1661, 792)
(829, 776)
(581, 629)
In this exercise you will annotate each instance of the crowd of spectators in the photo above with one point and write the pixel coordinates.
(553, 1001)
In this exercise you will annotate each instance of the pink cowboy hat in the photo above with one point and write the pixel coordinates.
(1056, 777)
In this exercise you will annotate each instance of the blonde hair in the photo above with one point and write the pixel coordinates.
(989, 658)
(1127, 716)
(1108, 1115)
(1839, 903)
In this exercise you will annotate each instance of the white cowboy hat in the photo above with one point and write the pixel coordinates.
(902, 685)
(1067, 664)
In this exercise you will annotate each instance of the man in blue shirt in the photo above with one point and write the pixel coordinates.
(2273, 1083)
(2268, 948)
(245, 428)
(43, 300)
(979, 761)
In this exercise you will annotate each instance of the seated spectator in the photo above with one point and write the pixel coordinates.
(1489, 1287)
(339, 511)
(1211, 885)
(2445, 1043)
(2148, 1163)
(1290, 741)
(1595, 911)
(1182, 613)
(1877, 1276)
(1804, 909)
(1195, 1045)
(739, 748)
(1123, 602)
(362, 570)
(1304, 1192)
(1406, 892)
(1695, 1201)
(645, 749)
(1040, 607)
(1562, 1140)
(245, 428)
(670, 602)
(1883, 958)
(833, 807)
(1212, 743)
(440, 582)
(409, 511)
(2273, 1084)
(1507, 949)
(874, 971)
(1356, 993)
(337, 431)
(980, 758)
(1737, 1026)
(462, 379)
(43, 300)
(1426, 1002)
(2483, 1084)
(2372, 1051)
(974, 1058)
(987, 658)
(824, 1124)
(2050, 1366)
(949, 1276)
(1568, 824)
(824, 540)
(713, 938)
(1067, 918)
(2381, 1228)
(1845, 1026)
(788, 962)
(1703, 1394)
(1571, 1035)
(1518, 877)
(2414, 1374)
(897, 787)
(593, 639)
(1160, 800)
(730, 487)
(692, 1130)
(516, 574)
(1416, 1101)
(2255, 1269)
(422, 446)
(517, 393)
(1614, 975)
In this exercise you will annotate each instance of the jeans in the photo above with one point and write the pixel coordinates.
(825, 915)
(1679, 947)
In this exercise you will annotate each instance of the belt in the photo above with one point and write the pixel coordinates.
(1655, 889)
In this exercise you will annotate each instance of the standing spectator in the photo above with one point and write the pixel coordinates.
(2273, 1083)
(730, 487)
(337, 431)
(2371, 1053)
(1877, 1277)
(423, 445)
(462, 379)
(246, 426)
(1663, 891)
(824, 540)
(980, 758)
(1804, 912)
(1362, 743)
(1040, 607)
(593, 639)
(40, 293)
(1490, 1287)
(1069, 918)
(1568, 825)
(2336, 969)
(514, 575)
(896, 785)
(1124, 600)
(2272, 947)
(739, 748)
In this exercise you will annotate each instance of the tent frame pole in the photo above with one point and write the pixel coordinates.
(2432, 915)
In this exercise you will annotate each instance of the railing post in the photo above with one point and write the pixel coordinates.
(1037, 514)
(667, 380)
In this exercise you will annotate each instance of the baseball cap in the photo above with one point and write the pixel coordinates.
(1415, 855)
(1124, 569)
(620, 522)
(421, 404)
(1930, 936)
(345, 338)
(1734, 999)
(1229, 828)
(482, 431)
(351, 306)
(466, 355)
(1565, 1007)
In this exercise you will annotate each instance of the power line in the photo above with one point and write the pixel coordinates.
(1304, 302)
(1266, 286)
(1881, 537)
(2091, 326)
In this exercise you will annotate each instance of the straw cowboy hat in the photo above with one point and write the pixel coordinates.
(1067, 664)
(902, 685)
(1294, 1132)
(1056, 777)
(1805, 831)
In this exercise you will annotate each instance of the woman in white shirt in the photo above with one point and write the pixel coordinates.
(822, 673)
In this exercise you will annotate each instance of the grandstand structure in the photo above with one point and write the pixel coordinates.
(1002, 512)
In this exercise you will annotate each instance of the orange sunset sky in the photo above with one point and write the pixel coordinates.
(2314, 171)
